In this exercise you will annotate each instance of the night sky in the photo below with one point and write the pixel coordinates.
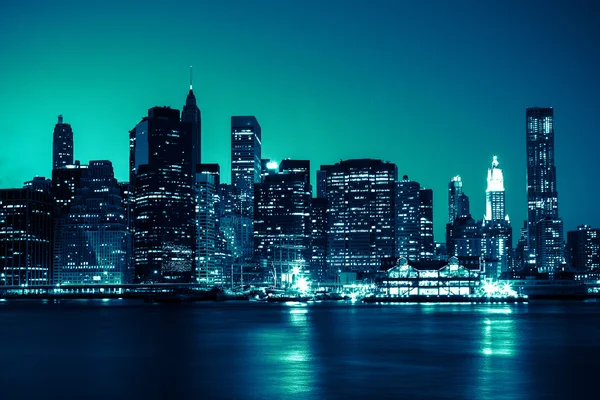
(438, 87)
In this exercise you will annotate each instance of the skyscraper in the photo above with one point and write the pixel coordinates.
(496, 230)
(208, 260)
(95, 238)
(455, 190)
(318, 244)
(282, 222)
(25, 237)
(164, 225)
(62, 144)
(408, 219)
(427, 245)
(191, 115)
(361, 214)
(542, 195)
(245, 161)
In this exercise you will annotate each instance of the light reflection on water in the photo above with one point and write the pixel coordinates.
(299, 351)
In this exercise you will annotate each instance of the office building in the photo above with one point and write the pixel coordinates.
(245, 161)
(191, 115)
(427, 245)
(455, 190)
(542, 195)
(26, 236)
(318, 237)
(208, 258)
(95, 238)
(408, 219)
(164, 216)
(361, 215)
(583, 248)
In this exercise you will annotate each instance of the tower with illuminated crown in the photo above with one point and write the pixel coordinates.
(496, 242)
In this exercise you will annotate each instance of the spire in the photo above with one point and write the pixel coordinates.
(495, 162)
(60, 119)
(191, 76)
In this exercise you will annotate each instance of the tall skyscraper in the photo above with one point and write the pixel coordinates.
(208, 260)
(25, 237)
(427, 244)
(62, 144)
(496, 229)
(191, 115)
(95, 238)
(408, 219)
(542, 195)
(495, 202)
(455, 190)
(361, 215)
(245, 161)
(164, 226)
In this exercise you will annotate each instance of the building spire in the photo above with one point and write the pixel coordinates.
(191, 76)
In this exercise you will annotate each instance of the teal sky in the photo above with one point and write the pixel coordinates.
(437, 87)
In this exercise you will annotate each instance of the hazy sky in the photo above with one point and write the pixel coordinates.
(437, 87)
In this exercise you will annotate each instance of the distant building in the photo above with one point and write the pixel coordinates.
(282, 222)
(26, 236)
(583, 248)
(542, 194)
(464, 238)
(496, 231)
(455, 190)
(62, 145)
(65, 182)
(191, 115)
(408, 219)
(288, 166)
(208, 259)
(322, 182)
(39, 184)
(427, 249)
(318, 233)
(164, 226)
(361, 214)
(245, 161)
(95, 238)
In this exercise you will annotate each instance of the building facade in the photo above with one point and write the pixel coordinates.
(208, 261)
(95, 238)
(583, 248)
(427, 245)
(408, 219)
(542, 194)
(26, 237)
(361, 214)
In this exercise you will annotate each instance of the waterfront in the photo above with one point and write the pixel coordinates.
(130, 349)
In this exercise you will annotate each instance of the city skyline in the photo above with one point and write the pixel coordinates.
(315, 86)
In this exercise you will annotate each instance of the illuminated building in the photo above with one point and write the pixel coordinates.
(361, 216)
(542, 195)
(455, 277)
(268, 167)
(318, 235)
(26, 236)
(455, 190)
(39, 184)
(95, 238)
(191, 114)
(408, 219)
(282, 222)
(164, 216)
(208, 259)
(427, 246)
(464, 238)
(322, 182)
(65, 182)
(496, 231)
(245, 161)
(521, 250)
(583, 248)
(62, 145)
(288, 166)
(246, 171)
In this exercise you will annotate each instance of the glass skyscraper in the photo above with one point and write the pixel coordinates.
(542, 196)
(245, 161)
(455, 190)
(191, 115)
(427, 244)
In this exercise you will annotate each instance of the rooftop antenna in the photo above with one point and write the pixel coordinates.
(191, 70)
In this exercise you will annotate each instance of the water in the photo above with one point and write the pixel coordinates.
(121, 349)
